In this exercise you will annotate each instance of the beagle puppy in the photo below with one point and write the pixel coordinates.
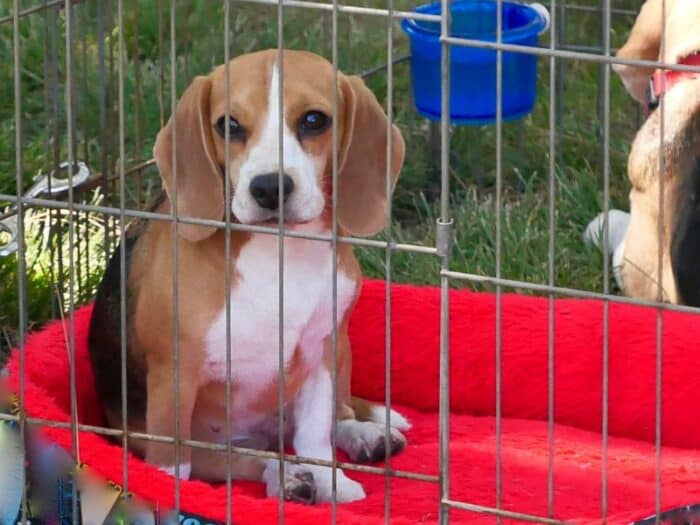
(193, 144)
(634, 238)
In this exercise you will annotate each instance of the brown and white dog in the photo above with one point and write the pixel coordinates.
(308, 96)
(634, 237)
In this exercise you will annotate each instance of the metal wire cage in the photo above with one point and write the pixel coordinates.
(94, 81)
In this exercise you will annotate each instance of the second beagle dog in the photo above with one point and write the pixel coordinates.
(193, 144)
(634, 238)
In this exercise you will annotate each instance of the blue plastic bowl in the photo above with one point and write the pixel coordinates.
(473, 70)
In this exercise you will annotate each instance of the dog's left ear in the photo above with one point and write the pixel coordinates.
(362, 172)
(642, 43)
(200, 192)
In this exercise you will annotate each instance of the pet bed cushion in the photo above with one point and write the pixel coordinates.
(578, 401)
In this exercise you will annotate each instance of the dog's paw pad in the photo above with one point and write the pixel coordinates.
(299, 482)
(377, 451)
(300, 488)
(365, 441)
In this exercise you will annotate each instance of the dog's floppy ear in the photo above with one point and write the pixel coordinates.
(362, 191)
(199, 179)
(643, 44)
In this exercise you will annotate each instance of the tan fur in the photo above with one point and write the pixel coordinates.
(201, 266)
(640, 267)
(681, 38)
(363, 114)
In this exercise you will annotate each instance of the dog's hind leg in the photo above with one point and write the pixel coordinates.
(363, 437)
(376, 412)
(362, 423)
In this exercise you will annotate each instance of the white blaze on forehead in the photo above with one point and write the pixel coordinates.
(271, 132)
(306, 201)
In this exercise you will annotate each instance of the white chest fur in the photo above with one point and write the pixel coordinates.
(254, 326)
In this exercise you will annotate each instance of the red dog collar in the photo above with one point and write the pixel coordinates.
(663, 80)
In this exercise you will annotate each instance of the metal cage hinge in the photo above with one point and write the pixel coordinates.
(444, 237)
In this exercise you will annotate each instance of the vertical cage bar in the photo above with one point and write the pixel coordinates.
(113, 119)
(334, 265)
(161, 61)
(122, 249)
(227, 249)
(86, 148)
(606, 259)
(560, 43)
(85, 115)
(175, 247)
(388, 253)
(71, 242)
(499, 255)
(83, 264)
(138, 102)
(444, 221)
(21, 261)
(660, 289)
(102, 100)
(77, 256)
(111, 189)
(49, 97)
(553, 116)
(280, 248)
(56, 154)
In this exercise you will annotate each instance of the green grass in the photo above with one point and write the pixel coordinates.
(362, 46)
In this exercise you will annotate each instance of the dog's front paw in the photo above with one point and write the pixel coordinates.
(299, 483)
(346, 489)
(310, 484)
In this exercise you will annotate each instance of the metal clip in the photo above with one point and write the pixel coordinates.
(58, 185)
(444, 237)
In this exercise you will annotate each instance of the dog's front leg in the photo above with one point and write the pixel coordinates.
(161, 415)
(312, 411)
(312, 436)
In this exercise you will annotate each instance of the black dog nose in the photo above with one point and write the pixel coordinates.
(265, 189)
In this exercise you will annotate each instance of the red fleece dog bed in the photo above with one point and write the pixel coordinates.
(525, 449)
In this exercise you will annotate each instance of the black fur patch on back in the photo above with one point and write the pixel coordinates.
(104, 343)
(685, 237)
(104, 338)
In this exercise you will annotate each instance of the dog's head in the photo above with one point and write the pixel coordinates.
(193, 144)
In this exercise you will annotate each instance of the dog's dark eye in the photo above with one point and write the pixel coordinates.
(313, 123)
(235, 130)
